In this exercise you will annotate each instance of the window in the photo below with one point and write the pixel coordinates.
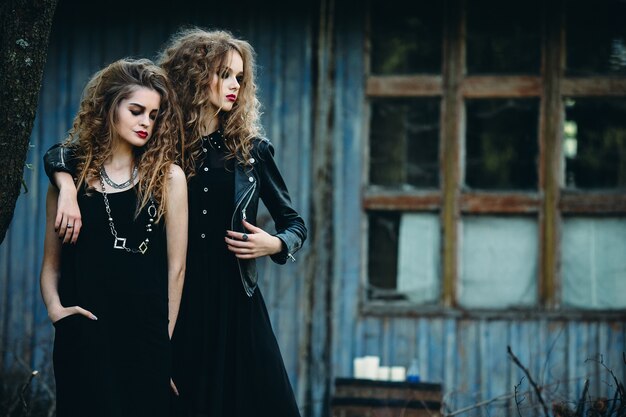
(496, 172)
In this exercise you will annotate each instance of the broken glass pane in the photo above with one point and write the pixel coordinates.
(383, 250)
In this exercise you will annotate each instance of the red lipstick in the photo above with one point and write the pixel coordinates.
(231, 97)
(142, 134)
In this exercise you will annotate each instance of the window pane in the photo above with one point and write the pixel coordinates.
(383, 250)
(408, 39)
(404, 143)
(594, 144)
(596, 37)
(501, 144)
(419, 257)
(499, 262)
(594, 265)
(503, 37)
(404, 256)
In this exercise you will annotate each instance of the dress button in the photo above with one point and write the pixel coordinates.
(252, 160)
(206, 169)
(205, 149)
(250, 179)
(203, 211)
(206, 189)
(202, 235)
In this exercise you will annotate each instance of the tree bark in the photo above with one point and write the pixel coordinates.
(24, 32)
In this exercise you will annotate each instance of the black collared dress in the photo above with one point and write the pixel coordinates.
(227, 362)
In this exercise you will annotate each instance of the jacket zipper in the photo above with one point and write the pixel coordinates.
(232, 223)
(252, 187)
(63, 157)
(243, 216)
(243, 210)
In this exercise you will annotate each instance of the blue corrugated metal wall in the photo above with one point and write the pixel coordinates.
(467, 355)
(470, 356)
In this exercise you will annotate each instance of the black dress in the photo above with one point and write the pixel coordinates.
(227, 362)
(120, 364)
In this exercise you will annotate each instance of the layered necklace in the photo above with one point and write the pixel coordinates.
(120, 242)
(125, 184)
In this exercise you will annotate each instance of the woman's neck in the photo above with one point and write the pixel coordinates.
(210, 124)
(122, 157)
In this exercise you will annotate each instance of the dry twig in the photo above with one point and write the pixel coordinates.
(581, 403)
(530, 380)
(21, 399)
(517, 402)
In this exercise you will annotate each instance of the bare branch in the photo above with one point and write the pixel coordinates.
(614, 402)
(581, 403)
(517, 403)
(480, 404)
(530, 380)
(619, 386)
(20, 399)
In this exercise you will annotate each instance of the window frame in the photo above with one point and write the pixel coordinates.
(452, 201)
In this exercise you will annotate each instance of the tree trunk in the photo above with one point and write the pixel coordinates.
(24, 31)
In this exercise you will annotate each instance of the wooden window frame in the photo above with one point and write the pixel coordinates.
(550, 201)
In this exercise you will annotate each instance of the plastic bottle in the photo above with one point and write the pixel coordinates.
(413, 374)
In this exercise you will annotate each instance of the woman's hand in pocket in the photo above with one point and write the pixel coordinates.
(173, 386)
(62, 312)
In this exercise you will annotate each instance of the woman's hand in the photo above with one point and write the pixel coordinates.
(62, 312)
(68, 221)
(253, 244)
(173, 386)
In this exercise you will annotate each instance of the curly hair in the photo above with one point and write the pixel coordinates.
(191, 58)
(93, 129)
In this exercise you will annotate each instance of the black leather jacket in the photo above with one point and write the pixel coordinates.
(259, 179)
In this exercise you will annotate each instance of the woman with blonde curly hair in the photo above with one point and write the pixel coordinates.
(113, 297)
(226, 358)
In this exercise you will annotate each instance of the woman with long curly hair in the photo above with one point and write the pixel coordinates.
(113, 296)
(226, 359)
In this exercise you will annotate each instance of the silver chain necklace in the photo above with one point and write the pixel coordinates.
(110, 183)
(120, 242)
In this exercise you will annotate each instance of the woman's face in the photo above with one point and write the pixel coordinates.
(224, 96)
(136, 116)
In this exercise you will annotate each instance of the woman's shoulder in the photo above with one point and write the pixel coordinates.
(262, 146)
(176, 174)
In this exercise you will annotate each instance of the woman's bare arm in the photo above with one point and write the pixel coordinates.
(67, 221)
(176, 221)
(51, 266)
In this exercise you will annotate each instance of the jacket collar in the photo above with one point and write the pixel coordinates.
(244, 178)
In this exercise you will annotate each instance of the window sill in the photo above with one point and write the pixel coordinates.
(376, 308)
